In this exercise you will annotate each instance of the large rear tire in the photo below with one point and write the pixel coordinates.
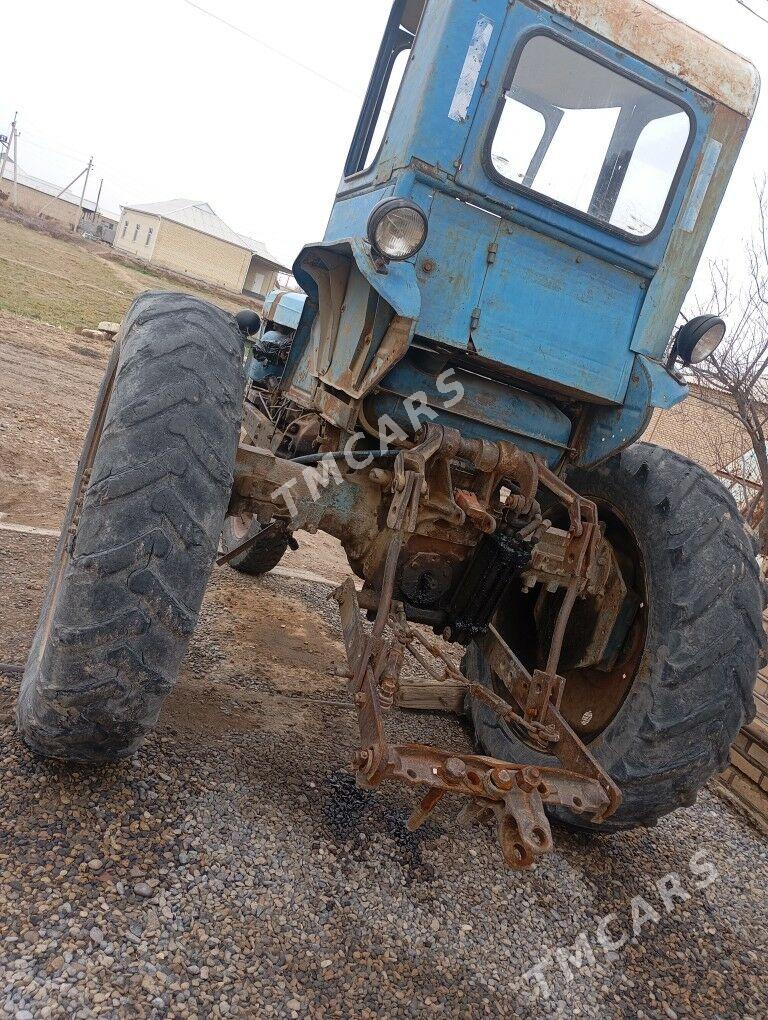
(140, 532)
(691, 686)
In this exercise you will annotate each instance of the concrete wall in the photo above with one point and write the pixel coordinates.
(33, 201)
(133, 231)
(261, 277)
(700, 431)
(200, 256)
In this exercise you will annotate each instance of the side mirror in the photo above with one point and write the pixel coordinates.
(248, 321)
(698, 339)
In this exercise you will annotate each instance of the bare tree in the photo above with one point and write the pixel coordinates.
(734, 379)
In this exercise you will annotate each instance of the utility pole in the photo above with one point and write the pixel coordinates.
(8, 145)
(98, 199)
(65, 188)
(15, 165)
(82, 193)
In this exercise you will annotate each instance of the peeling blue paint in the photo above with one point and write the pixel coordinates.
(512, 286)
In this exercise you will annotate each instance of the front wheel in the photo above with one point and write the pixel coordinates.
(259, 558)
(140, 532)
(660, 716)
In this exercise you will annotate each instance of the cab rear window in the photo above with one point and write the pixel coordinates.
(580, 134)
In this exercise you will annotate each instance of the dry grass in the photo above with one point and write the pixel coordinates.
(70, 285)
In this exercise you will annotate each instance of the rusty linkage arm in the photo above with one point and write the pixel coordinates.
(539, 697)
(514, 794)
(411, 639)
(409, 485)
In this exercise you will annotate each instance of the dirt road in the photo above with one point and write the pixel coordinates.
(49, 378)
(232, 868)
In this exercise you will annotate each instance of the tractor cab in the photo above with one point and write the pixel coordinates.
(562, 164)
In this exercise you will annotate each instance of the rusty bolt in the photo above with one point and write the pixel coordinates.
(528, 779)
(428, 265)
(504, 779)
(362, 758)
(380, 477)
(361, 698)
(454, 769)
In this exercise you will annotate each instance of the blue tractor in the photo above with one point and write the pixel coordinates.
(489, 323)
(273, 334)
(269, 351)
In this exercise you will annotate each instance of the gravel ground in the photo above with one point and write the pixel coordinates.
(233, 869)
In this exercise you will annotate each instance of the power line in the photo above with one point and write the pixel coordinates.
(272, 49)
(127, 182)
(58, 150)
(746, 7)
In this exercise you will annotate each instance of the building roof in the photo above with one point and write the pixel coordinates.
(200, 216)
(46, 188)
(258, 248)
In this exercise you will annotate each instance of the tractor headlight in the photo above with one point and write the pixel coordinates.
(397, 229)
(699, 338)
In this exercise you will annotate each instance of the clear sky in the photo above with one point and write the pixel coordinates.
(171, 103)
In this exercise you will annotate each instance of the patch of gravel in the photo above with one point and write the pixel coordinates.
(241, 873)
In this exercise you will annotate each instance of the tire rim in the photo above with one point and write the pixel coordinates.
(593, 695)
(240, 526)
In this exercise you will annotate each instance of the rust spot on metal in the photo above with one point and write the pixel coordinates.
(661, 40)
(514, 794)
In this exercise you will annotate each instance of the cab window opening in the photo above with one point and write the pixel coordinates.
(386, 79)
(587, 137)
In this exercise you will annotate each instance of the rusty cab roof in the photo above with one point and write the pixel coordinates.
(669, 44)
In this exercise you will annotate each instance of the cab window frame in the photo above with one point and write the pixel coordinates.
(396, 40)
(673, 96)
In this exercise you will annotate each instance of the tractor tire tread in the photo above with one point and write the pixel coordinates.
(119, 626)
(697, 685)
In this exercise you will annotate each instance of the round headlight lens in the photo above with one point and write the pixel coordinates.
(397, 229)
(700, 338)
(708, 343)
